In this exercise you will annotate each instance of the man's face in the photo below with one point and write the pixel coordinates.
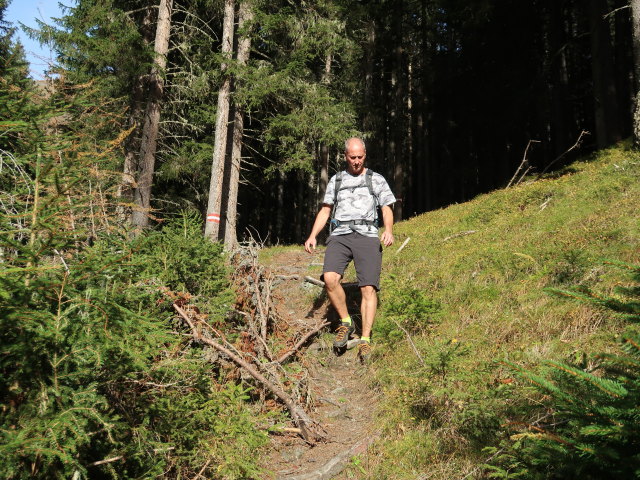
(355, 156)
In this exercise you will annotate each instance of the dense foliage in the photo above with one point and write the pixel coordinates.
(97, 379)
(450, 98)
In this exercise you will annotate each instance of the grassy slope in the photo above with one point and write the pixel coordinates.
(552, 232)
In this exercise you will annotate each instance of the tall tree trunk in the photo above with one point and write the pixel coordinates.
(635, 15)
(279, 201)
(136, 115)
(624, 64)
(397, 133)
(245, 15)
(147, 159)
(324, 148)
(560, 113)
(605, 96)
(212, 227)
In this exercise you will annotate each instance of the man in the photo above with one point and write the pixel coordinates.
(354, 237)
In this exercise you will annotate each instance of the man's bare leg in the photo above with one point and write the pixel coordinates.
(339, 301)
(368, 308)
(336, 294)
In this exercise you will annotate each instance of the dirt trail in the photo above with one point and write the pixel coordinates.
(342, 401)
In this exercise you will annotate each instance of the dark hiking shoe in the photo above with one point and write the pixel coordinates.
(343, 333)
(364, 352)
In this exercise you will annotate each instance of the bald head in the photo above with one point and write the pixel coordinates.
(355, 154)
(354, 142)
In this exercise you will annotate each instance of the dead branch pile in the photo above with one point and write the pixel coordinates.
(260, 332)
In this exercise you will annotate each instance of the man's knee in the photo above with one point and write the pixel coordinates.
(331, 279)
(368, 291)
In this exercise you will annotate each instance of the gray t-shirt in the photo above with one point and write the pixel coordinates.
(356, 203)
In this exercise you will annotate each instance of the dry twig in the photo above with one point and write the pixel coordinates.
(404, 244)
(573, 147)
(413, 345)
(523, 163)
(299, 416)
(301, 342)
(459, 234)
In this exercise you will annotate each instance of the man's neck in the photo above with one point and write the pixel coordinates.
(356, 174)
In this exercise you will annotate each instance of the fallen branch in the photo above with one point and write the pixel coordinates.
(573, 147)
(460, 234)
(301, 342)
(524, 162)
(413, 345)
(320, 283)
(404, 244)
(299, 416)
(105, 461)
(314, 281)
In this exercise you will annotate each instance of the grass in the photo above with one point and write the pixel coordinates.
(486, 263)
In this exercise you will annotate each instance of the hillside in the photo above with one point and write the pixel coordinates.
(467, 291)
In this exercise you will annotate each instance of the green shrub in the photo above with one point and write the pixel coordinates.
(406, 306)
(95, 377)
(180, 258)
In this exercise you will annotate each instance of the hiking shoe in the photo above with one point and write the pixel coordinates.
(343, 333)
(364, 352)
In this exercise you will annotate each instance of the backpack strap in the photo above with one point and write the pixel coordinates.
(369, 180)
(332, 222)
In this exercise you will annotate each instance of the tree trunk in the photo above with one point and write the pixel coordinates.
(559, 85)
(605, 96)
(245, 15)
(624, 64)
(397, 128)
(324, 148)
(212, 227)
(148, 142)
(136, 115)
(635, 15)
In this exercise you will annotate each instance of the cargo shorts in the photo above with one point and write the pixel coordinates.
(366, 253)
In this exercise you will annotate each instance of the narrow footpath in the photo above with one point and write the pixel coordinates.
(342, 400)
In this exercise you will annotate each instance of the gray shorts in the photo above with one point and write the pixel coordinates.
(366, 253)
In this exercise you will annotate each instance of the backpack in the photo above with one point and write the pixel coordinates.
(377, 214)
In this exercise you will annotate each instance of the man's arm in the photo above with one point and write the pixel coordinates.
(318, 225)
(387, 219)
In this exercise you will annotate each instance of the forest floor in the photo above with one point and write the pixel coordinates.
(341, 399)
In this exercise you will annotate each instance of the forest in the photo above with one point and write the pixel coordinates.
(240, 109)
(172, 139)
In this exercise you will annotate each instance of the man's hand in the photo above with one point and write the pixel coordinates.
(387, 238)
(310, 244)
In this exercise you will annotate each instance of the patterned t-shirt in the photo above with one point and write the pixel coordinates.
(356, 203)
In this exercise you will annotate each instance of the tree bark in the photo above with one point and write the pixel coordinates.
(635, 15)
(245, 16)
(559, 87)
(324, 148)
(136, 115)
(148, 143)
(212, 227)
(604, 94)
(398, 117)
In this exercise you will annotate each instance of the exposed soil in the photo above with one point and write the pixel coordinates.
(341, 400)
